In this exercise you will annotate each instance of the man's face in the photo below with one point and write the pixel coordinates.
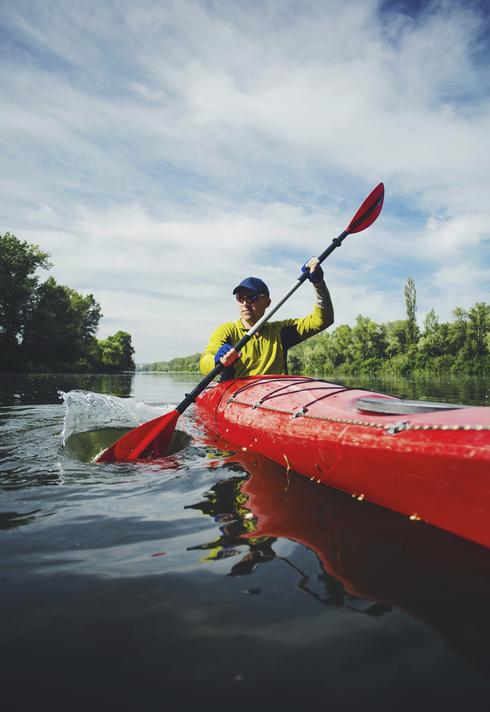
(252, 305)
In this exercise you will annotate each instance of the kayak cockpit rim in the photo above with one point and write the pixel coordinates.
(393, 406)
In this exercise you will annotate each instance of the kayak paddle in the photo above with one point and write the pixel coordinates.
(153, 438)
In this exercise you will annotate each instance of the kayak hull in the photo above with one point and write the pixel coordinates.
(433, 467)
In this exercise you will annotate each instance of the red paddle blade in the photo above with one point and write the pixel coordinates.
(369, 210)
(151, 438)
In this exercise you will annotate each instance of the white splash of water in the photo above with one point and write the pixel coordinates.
(87, 411)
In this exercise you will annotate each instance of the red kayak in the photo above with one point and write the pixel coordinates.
(429, 461)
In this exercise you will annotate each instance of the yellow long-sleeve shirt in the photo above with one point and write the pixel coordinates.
(266, 352)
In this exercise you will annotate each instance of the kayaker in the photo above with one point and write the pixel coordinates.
(267, 351)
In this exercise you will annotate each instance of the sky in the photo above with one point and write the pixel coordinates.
(162, 150)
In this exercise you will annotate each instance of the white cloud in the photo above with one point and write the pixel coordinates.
(161, 151)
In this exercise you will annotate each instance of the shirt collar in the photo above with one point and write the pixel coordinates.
(240, 326)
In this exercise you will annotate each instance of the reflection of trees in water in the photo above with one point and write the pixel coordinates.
(31, 388)
(226, 503)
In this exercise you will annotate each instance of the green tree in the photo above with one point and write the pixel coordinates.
(477, 329)
(412, 329)
(60, 331)
(396, 337)
(457, 333)
(18, 284)
(433, 339)
(47, 326)
(116, 352)
(369, 341)
(295, 362)
(340, 346)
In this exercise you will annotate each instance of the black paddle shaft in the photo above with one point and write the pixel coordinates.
(336, 242)
(219, 368)
(191, 397)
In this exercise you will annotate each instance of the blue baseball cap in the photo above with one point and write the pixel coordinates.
(254, 284)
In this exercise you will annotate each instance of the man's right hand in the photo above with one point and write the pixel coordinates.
(227, 355)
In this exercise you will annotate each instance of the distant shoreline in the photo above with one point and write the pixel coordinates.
(144, 371)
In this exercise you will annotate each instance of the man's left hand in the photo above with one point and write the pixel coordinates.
(315, 272)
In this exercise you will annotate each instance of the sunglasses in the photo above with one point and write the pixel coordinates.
(249, 298)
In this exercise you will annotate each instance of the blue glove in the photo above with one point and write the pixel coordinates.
(316, 276)
(221, 352)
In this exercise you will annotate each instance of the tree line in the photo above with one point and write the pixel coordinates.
(397, 347)
(46, 326)
(401, 347)
(183, 364)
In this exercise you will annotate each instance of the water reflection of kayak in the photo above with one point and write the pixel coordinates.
(376, 554)
(429, 461)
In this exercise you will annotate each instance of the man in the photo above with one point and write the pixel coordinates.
(266, 352)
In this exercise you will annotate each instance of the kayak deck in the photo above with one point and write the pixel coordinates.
(432, 465)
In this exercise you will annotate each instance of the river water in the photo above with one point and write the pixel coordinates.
(202, 581)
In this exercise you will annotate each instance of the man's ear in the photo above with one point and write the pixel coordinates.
(268, 303)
